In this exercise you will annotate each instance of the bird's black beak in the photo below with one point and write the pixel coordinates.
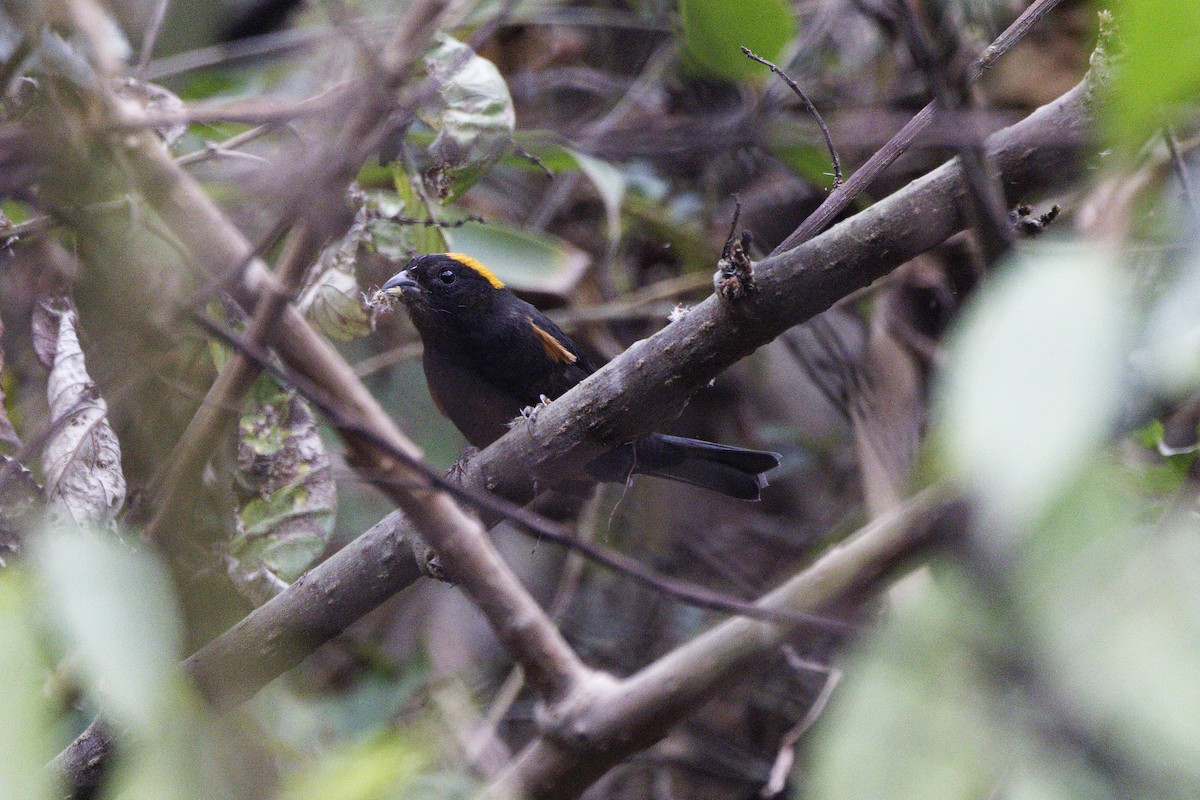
(401, 285)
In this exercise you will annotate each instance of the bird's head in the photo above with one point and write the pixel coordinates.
(449, 283)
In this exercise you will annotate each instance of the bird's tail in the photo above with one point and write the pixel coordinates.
(732, 471)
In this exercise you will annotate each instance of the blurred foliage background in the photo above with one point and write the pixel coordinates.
(590, 153)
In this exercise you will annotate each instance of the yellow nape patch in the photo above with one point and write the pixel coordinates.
(553, 347)
(471, 263)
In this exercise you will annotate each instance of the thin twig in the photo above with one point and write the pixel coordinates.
(787, 745)
(532, 159)
(812, 109)
(950, 92)
(150, 37)
(729, 239)
(222, 148)
(430, 222)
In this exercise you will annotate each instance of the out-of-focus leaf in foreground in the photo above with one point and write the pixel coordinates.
(1034, 379)
(116, 612)
(1070, 674)
(27, 738)
(912, 718)
(1172, 343)
(376, 770)
(1113, 609)
(1061, 662)
(116, 608)
(82, 457)
(1159, 71)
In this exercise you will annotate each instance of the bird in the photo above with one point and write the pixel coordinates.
(489, 357)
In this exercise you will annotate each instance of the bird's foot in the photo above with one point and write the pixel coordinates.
(458, 469)
(530, 413)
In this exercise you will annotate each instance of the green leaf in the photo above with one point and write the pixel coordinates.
(714, 31)
(1160, 69)
(27, 739)
(809, 161)
(402, 241)
(1116, 612)
(474, 122)
(1172, 352)
(289, 496)
(1034, 379)
(524, 260)
(331, 298)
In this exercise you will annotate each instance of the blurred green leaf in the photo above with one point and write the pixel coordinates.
(1160, 69)
(1172, 347)
(405, 393)
(1115, 607)
(714, 31)
(554, 157)
(117, 609)
(203, 84)
(524, 260)
(15, 210)
(376, 770)
(401, 241)
(1034, 378)
(809, 161)
(27, 738)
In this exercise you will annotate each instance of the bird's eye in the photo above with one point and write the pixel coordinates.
(446, 276)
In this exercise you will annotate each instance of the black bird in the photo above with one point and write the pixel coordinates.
(489, 355)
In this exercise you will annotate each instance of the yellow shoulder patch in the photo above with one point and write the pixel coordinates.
(471, 263)
(553, 347)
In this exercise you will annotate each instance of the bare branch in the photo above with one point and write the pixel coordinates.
(150, 36)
